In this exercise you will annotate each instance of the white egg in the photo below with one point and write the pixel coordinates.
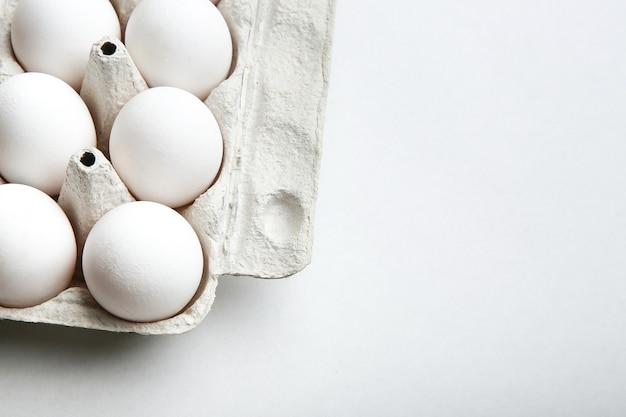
(142, 262)
(166, 146)
(37, 247)
(43, 121)
(55, 37)
(184, 44)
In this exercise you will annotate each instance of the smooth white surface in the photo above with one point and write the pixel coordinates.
(163, 39)
(56, 37)
(43, 121)
(37, 247)
(142, 261)
(166, 146)
(469, 253)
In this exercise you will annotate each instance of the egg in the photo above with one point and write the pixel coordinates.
(166, 146)
(43, 121)
(184, 44)
(37, 247)
(142, 261)
(55, 37)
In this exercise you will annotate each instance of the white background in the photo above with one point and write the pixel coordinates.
(469, 255)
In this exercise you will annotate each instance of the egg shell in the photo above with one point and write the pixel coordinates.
(55, 37)
(166, 146)
(164, 38)
(37, 247)
(43, 121)
(142, 261)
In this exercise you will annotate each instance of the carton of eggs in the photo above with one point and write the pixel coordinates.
(256, 218)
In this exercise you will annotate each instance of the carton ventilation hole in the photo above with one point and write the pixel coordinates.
(108, 48)
(88, 159)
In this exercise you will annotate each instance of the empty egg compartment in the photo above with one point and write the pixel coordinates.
(257, 218)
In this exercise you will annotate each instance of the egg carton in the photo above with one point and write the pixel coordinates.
(257, 218)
